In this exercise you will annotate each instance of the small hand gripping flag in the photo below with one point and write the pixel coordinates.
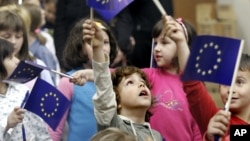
(213, 59)
(47, 102)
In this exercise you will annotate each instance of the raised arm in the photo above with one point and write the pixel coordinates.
(104, 99)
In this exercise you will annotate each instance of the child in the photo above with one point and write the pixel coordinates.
(11, 96)
(204, 109)
(13, 27)
(77, 55)
(37, 42)
(170, 113)
(112, 106)
(113, 134)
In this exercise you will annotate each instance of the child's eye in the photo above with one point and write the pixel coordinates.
(5, 36)
(155, 43)
(239, 82)
(106, 42)
(19, 36)
(130, 82)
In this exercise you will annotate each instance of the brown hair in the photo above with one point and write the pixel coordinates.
(112, 134)
(11, 20)
(73, 56)
(191, 34)
(119, 74)
(245, 63)
(36, 21)
(6, 50)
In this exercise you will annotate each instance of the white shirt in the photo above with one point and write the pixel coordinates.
(34, 126)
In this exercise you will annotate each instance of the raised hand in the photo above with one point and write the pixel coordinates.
(80, 77)
(218, 125)
(173, 29)
(92, 33)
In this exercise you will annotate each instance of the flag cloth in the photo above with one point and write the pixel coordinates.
(24, 72)
(47, 102)
(102, 4)
(213, 59)
(108, 8)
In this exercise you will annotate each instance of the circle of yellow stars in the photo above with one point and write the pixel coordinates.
(209, 71)
(31, 72)
(43, 99)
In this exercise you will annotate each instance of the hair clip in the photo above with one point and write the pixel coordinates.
(37, 30)
(179, 20)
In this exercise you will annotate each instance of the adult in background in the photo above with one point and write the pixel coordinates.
(133, 30)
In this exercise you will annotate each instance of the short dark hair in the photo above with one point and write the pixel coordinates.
(6, 50)
(73, 56)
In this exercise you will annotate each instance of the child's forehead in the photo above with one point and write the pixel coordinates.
(134, 75)
(12, 30)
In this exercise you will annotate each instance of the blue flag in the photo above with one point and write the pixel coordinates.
(108, 8)
(102, 4)
(47, 102)
(24, 72)
(212, 59)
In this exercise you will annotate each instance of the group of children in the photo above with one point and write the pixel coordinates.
(134, 100)
(149, 104)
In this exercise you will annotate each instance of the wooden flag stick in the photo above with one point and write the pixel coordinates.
(20, 2)
(91, 18)
(227, 106)
(62, 74)
(160, 8)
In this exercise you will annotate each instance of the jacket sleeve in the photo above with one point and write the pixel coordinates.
(104, 98)
(200, 102)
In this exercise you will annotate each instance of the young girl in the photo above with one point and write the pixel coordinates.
(122, 102)
(78, 55)
(211, 118)
(37, 41)
(170, 113)
(13, 27)
(12, 116)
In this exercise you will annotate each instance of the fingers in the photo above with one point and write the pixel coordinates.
(79, 78)
(218, 125)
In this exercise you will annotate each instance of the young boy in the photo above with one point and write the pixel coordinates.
(213, 121)
(122, 102)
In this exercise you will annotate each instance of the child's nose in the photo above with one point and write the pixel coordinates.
(141, 85)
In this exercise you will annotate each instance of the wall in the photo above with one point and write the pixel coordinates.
(242, 11)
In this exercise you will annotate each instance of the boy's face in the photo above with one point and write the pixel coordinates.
(241, 93)
(164, 51)
(134, 93)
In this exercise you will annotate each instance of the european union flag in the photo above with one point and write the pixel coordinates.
(108, 8)
(24, 72)
(213, 59)
(47, 102)
(102, 4)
